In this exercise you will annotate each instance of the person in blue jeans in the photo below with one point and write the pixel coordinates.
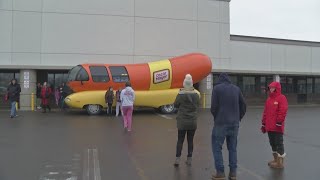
(228, 108)
(14, 90)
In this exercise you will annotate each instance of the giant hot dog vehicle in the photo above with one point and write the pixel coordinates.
(156, 84)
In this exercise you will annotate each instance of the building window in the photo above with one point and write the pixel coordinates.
(301, 86)
(55, 79)
(234, 79)
(99, 74)
(5, 79)
(248, 84)
(290, 85)
(309, 85)
(283, 82)
(119, 73)
(317, 85)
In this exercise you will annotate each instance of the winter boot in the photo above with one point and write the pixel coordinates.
(189, 161)
(232, 175)
(275, 156)
(177, 162)
(279, 162)
(219, 176)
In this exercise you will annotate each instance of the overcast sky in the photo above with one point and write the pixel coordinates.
(285, 19)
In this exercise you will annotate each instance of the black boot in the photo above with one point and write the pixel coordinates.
(44, 110)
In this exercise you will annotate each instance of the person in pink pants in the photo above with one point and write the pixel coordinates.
(127, 99)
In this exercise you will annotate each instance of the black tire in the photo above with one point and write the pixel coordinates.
(93, 109)
(167, 109)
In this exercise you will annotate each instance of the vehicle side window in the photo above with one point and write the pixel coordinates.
(119, 74)
(99, 74)
(82, 75)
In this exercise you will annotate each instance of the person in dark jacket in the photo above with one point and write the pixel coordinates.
(38, 94)
(187, 102)
(14, 90)
(273, 121)
(228, 108)
(109, 96)
(118, 103)
(63, 95)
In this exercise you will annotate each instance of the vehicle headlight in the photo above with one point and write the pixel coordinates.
(67, 99)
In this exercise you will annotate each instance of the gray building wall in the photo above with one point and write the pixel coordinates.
(274, 56)
(59, 34)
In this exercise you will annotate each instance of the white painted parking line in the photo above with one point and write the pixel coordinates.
(86, 164)
(53, 173)
(96, 165)
(164, 116)
(91, 167)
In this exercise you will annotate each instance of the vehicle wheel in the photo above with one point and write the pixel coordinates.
(167, 109)
(93, 109)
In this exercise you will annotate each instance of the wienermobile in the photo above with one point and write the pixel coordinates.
(156, 84)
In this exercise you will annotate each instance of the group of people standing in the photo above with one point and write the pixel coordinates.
(124, 102)
(228, 108)
(44, 93)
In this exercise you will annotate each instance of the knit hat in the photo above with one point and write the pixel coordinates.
(188, 83)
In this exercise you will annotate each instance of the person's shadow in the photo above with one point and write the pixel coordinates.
(183, 173)
(276, 174)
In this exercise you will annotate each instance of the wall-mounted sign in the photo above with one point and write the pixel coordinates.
(26, 82)
(209, 80)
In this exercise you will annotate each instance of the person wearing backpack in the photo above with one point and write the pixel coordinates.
(187, 102)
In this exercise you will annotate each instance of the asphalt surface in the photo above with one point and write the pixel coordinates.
(75, 146)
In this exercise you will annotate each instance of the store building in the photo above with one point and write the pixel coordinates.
(40, 40)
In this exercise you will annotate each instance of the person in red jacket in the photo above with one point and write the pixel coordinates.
(45, 95)
(273, 122)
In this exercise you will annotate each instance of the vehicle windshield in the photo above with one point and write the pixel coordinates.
(73, 73)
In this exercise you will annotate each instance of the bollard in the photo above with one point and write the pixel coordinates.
(32, 101)
(204, 100)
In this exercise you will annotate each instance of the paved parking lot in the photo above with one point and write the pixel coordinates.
(74, 146)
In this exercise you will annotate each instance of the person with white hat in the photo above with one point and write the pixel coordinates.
(187, 102)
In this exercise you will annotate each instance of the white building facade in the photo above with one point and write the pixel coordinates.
(40, 40)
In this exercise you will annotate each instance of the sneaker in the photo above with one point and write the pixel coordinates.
(177, 162)
(11, 116)
(16, 115)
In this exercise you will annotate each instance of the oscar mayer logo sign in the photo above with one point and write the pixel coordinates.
(161, 76)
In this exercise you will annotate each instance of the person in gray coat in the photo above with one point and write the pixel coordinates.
(187, 102)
